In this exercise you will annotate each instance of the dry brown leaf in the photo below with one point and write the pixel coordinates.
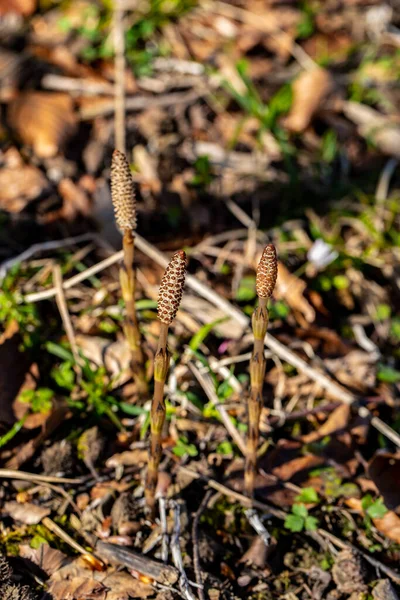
(337, 421)
(374, 126)
(13, 368)
(75, 200)
(29, 514)
(19, 186)
(78, 588)
(43, 120)
(47, 558)
(114, 355)
(122, 586)
(389, 524)
(130, 457)
(291, 289)
(309, 91)
(384, 470)
(19, 7)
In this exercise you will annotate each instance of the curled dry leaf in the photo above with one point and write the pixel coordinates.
(75, 200)
(291, 289)
(337, 421)
(29, 514)
(19, 186)
(309, 92)
(43, 120)
(47, 558)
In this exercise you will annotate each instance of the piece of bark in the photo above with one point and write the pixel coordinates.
(119, 555)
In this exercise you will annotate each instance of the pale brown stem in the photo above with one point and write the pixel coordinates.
(131, 328)
(255, 403)
(157, 418)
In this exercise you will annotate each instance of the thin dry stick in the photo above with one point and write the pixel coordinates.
(65, 316)
(169, 299)
(119, 63)
(267, 272)
(195, 540)
(123, 197)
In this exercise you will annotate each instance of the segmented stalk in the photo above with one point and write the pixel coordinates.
(265, 282)
(123, 198)
(170, 296)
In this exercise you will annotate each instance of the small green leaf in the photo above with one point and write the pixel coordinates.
(59, 351)
(225, 448)
(340, 282)
(203, 332)
(377, 509)
(388, 374)
(246, 290)
(311, 524)
(294, 523)
(307, 495)
(300, 510)
(383, 312)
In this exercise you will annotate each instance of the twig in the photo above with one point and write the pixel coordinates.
(65, 316)
(195, 541)
(119, 555)
(164, 528)
(87, 113)
(176, 552)
(257, 525)
(42, 247)
(208, 387)
(24, 476)
(91, 558)
(119, 65)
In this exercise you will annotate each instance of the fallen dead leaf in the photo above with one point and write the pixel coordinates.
(375, 127)
(114, 355)
(19, 7)
(130, 457)
(384, 470)
(389, 524)
(47, 558)
(43, 120)
(309, 91)
(29, 514)
(75, 200)
(291, 289)
(78, 588)
(19, 186)
(122, 586)
(337, 421)
(13, 368)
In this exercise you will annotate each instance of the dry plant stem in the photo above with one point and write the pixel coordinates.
(161, 364)
(131, 328)
(119, 62)
(255, 402)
